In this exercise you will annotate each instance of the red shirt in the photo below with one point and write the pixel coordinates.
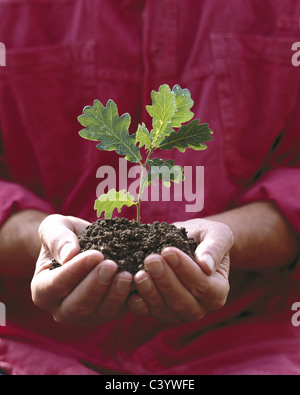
(236, 61)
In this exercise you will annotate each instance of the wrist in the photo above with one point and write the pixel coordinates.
(19, 243)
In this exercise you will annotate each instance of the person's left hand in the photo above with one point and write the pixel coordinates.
(87, 290)
(176, 288)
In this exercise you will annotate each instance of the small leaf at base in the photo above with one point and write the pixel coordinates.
(107, 203)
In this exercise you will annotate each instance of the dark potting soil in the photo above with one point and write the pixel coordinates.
(128, 244)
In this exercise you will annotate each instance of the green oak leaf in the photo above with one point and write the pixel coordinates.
(143, 137)
(170, 109)
(104, 124)
(162, 110)
(107, 203)
(166, 171)
(184, 103)
(193, 135)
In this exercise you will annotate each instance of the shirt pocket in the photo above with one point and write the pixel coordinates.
(257, 91)
(42, 91)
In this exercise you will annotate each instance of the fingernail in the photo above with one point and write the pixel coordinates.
(139, 304)
(65, 252)
(144, 284)
(106, 274)
(155, 267)
(171, 258)
(209, 260)
(123, 285)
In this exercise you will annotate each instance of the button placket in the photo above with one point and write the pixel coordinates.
(160, 41)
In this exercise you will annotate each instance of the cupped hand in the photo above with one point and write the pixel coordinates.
(175, 288)
(86, 289)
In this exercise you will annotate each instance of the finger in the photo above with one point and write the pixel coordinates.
(59, 235)
(190, 274)
(83, 300)
(147, 289)
(150, 298)
(50, 287)
(175, 295)
(210, 291)
(137, 305)
(215, 242)
(218, 287)
(187, 271)
(44, 261)
(113, 303)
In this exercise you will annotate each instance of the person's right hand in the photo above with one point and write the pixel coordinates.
(86, 289)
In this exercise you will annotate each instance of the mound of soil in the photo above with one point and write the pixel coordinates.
(128, 244)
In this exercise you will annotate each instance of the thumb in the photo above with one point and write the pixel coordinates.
(59, 236)
(215, 245)
(68, 250)
(208, 256)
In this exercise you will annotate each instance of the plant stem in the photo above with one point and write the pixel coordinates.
(141, 191)
(142, 186)
(138, 213)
